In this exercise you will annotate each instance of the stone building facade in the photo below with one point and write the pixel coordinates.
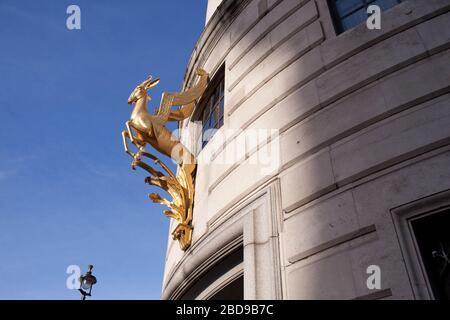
(359, 125)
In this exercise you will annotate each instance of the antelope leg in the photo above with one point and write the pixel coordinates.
(130, 134)
(126, 135)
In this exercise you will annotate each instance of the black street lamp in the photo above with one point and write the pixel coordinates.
(86, 283)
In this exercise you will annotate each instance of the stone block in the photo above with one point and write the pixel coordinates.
(333, 121)
(417, 81)
(435, 33)
(369, 65)
(307, 179)
(318, 224)
(254, 34)
(326, 279)
(391, 140)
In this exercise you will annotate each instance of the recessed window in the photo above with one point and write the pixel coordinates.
(432, 235)
(224, 280)
(350, 13)
(233, 291)
(211, 112)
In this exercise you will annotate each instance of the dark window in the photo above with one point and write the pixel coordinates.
(433, 240)
(233, 291)
(211, 110)
(350, 13)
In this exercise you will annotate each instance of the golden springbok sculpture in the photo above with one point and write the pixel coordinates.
(150, 129)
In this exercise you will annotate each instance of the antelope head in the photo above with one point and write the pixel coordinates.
(140, 91)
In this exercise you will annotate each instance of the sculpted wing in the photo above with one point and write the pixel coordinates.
(184, 99)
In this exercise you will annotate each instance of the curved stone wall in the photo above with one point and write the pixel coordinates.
(360, 122)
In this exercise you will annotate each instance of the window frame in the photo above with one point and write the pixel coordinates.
(337, 19)
(215, 84)
(403, 216)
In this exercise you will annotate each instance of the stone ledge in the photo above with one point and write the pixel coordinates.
(427, 67)
(332, 243)
(379, 294)
(311, 28)
(264, 31)
(323, 104)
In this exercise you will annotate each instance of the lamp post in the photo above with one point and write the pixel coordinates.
(86, 283)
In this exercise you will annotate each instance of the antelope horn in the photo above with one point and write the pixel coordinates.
(150, 83)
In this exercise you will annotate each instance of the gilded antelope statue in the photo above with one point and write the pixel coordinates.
(150, 129)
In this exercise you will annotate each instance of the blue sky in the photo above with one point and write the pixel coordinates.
(67, 192)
